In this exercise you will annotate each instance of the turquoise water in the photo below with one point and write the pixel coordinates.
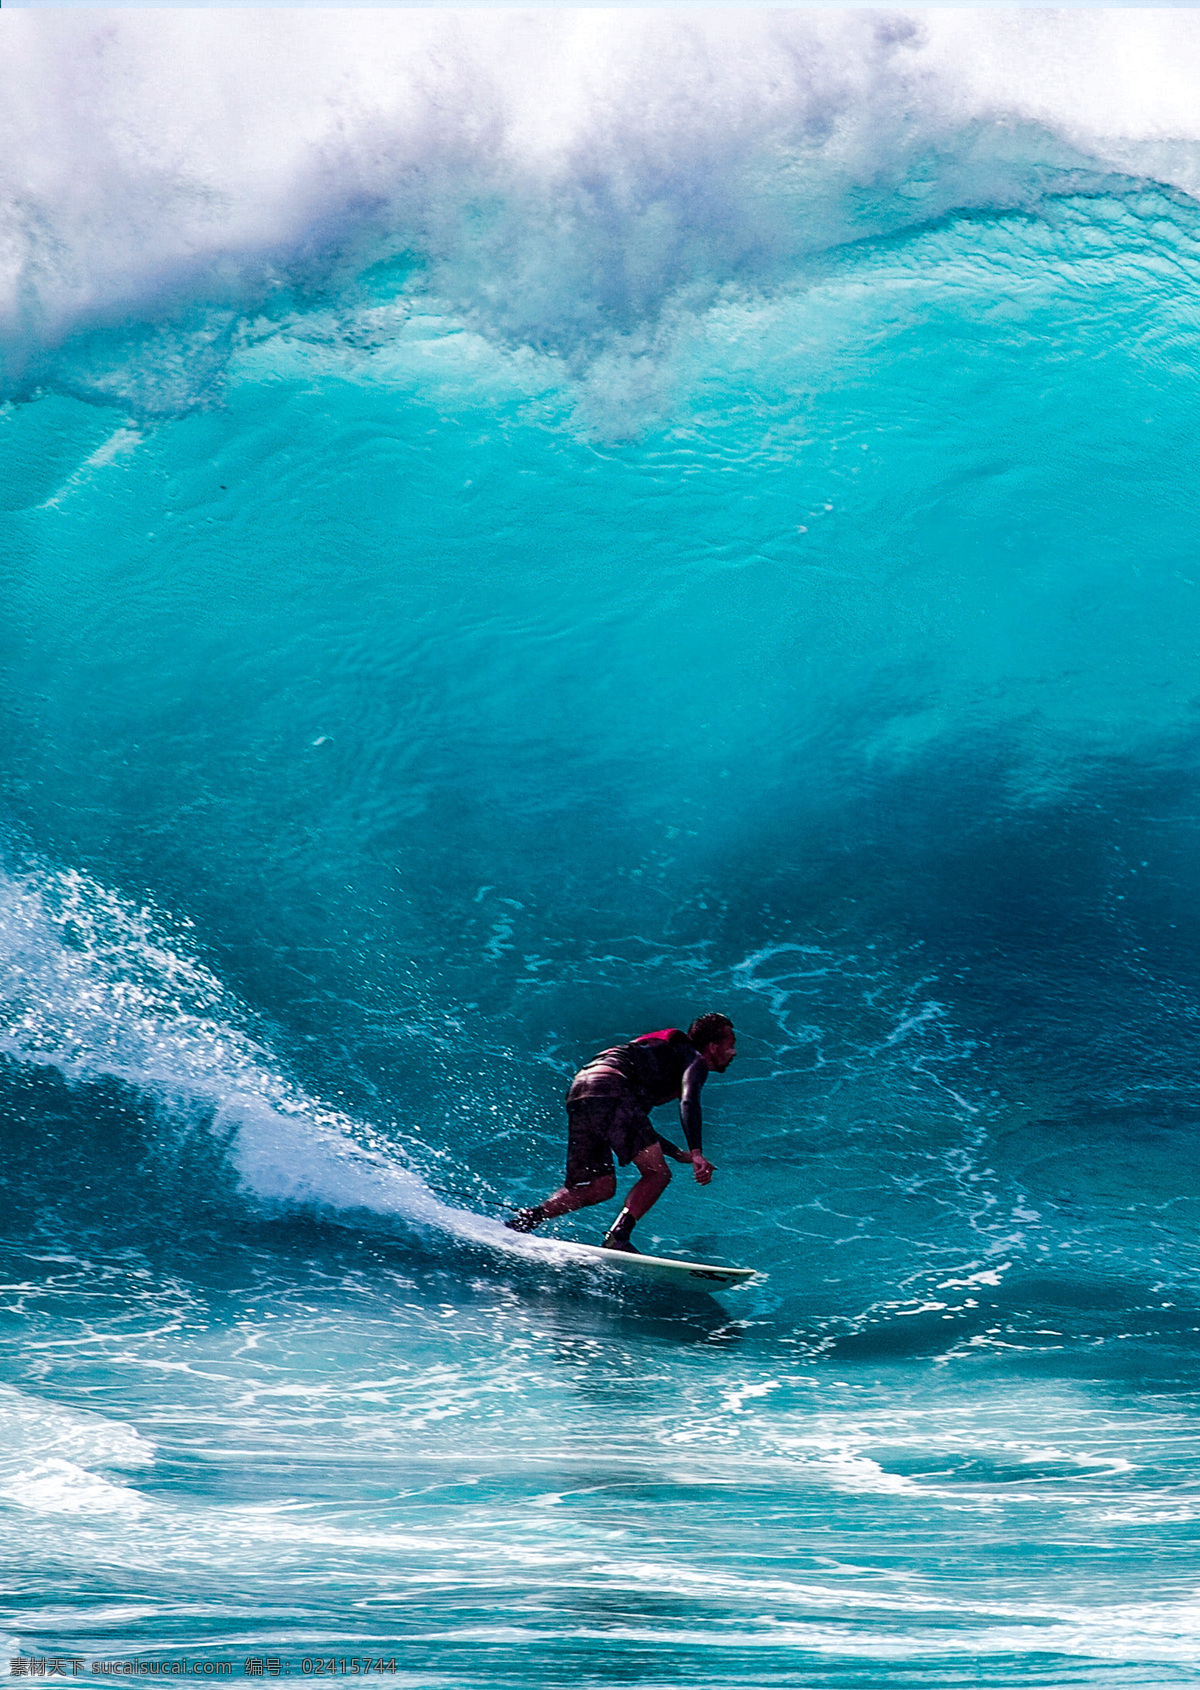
(515, 533)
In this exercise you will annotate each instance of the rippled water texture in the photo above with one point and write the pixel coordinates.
(517, 530)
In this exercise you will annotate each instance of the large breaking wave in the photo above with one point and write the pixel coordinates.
(528, 525)
(520, 528)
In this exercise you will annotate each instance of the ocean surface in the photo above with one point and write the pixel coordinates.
(518, 529)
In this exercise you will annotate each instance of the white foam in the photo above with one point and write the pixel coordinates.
(48, 1455)
(95, 987)
(623, 157)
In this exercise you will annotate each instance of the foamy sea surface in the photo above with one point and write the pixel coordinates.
(517, 529)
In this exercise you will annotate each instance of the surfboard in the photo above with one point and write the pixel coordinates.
(664, 1270)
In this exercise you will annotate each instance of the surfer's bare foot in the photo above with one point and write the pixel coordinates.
(625, 1244)
(524, 1220)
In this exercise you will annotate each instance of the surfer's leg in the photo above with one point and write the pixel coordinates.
(566, 1199)
(656, 1177)
(570, 1197)
(591, 1177)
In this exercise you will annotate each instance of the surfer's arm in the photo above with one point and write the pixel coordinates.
(673, 1150)
(690, 1120)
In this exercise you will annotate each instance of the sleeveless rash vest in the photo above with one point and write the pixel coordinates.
(649, 1069)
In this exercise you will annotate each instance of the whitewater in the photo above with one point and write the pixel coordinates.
(517, 529)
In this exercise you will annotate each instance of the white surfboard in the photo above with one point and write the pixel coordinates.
(692, 1276)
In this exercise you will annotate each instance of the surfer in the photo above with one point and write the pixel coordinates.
(608, 1109)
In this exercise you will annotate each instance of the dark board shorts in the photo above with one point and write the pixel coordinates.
(598, 1128)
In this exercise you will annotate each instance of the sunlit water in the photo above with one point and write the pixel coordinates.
(516, 532)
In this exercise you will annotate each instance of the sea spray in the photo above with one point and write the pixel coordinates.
(517, 530)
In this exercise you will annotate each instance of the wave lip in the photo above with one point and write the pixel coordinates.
(558, 180)
(98, 989)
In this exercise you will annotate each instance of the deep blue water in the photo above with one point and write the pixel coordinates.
(519, 532)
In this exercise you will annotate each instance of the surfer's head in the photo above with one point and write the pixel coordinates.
(714, 1038)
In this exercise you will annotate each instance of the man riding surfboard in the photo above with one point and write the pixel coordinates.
(608, 1109)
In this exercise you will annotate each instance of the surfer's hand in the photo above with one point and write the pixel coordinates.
(701, 1167)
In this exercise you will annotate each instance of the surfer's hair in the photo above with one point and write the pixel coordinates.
(709, 1029)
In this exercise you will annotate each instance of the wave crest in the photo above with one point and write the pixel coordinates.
(97, 988)
(553, 179)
